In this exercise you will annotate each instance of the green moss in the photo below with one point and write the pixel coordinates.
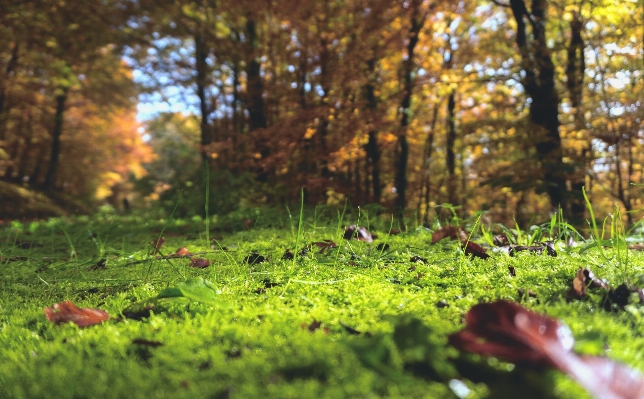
(254, 340)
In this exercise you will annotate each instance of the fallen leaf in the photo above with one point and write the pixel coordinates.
(100, 265)
(183, 251)
(254, 258)
(444, 232)
(418, 259)
(157, 244)
(512, 270)
(513, 333)
(474, 249)
(315, 325)
(383, 246)
(288, 255)
(199, 263)
(585, 278)
(66, 311)
(357, 233)
(325, 244)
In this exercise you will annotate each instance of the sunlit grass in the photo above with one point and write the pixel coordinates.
(252, 343)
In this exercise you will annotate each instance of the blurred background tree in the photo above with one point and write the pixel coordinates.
(505, 106)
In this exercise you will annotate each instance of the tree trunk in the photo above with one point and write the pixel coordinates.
(201, 56)
(55, 146)
(417, 22)
(372, 149)
(450, 157)
(255, 99)
(4, 114)
(575, 71)
(428, 150)
(539, 84)
(255, 85)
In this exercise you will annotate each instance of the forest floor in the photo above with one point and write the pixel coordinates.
(281, 307)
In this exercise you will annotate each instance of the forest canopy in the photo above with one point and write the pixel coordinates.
(505, 106)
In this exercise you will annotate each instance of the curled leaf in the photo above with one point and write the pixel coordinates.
(157, 244)
(66, 311)
(357, 233)
(183, 251)
(511, 332)
(199, 263)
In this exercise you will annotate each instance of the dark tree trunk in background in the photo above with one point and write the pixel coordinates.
(255, 100)
(255, 89)
(201, 56)
(575, 71)
(323, 125)
(428, 150)
(416, 21)
(372, 149)
(539, 84)
(450, 156)
(56, 132)
(4, 114)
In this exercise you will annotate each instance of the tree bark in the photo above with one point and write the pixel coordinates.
(201, 56)
(55, 145)
(4, 115)
(417, 22)
(255, 85)
(539, 84)
(428, 150)
(450, 157)
(575, 72)
(372, 149)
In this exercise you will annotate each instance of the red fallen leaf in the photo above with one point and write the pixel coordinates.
(315, 325)
(66, 311)
(357, 233)
(585, 278)
(100, 265)
(157, 244)
(446, 231)
(183, 251)
(199, 262)
(500, 240)
(325, 244)
(509, 331)
(472, 248)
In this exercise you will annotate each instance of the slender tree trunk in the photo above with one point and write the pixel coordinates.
(428, 150)
(539, 83)
(4, 114)
(450, 157)
(255, 85)
(201, 57)
(417, 22)
(372, 149)
(575, 72)
(56, 132)
(255, 99)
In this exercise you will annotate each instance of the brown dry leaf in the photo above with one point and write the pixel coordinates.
(357, 233)
(511, 332)
(585, 278)
(66, 311)
(474, 249)
(445, 231)
(183, 251)
(325, 244)
(199, 263)
(157, 244)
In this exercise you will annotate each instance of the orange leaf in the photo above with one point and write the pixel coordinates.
(66, 311)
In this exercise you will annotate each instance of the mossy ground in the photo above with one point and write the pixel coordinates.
(255, 342)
